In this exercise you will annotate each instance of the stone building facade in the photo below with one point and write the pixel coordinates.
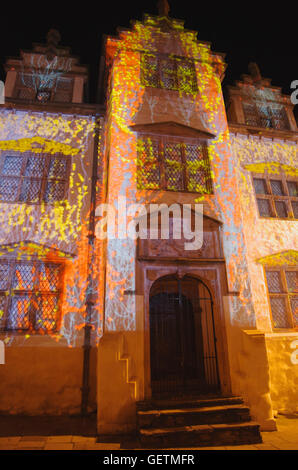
(100, 323)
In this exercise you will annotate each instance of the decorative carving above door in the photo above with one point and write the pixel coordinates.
(175, 248)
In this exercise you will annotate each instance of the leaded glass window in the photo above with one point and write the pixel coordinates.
(33, 178)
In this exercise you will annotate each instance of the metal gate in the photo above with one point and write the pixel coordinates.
(182, 337)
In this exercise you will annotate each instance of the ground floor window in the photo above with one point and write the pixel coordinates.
(277, 196)
(282, 284)
(29, 295)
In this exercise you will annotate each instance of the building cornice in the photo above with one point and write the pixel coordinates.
(62, 108)
(274, 134)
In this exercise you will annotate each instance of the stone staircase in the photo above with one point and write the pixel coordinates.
(165, 423)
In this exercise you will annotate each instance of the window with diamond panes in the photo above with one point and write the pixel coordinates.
(148, 163)
(63, 90)
(169, 164)
(44, 88)
(29, 295)
(282, 287)
(25, 87)
(170, 73)
(33, 178)
(276, 197)
(267, 115)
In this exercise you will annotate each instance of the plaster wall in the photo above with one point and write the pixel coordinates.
(265, 240)
(131, 103)
(43, 372)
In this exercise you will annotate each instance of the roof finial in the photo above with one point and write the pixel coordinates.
(53, 38)
(254, 71)
(163, 8)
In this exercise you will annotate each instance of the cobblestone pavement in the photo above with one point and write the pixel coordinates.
(285, 438)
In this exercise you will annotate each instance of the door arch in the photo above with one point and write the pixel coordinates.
(182, 338)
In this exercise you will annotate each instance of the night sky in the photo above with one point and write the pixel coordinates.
(245, 33)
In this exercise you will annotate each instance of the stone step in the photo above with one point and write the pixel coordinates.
(201, 435)
(159, 404)
(164, 418)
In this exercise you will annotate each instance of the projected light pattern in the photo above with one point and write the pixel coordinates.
(55, 233)
(279, 246)
(158, 72)
(176, 166)
(41, 77)
(152, 95)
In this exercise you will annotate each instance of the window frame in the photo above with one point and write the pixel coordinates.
(259, 119)
(20, 86)
(284, 294)
(162, 140)
(160, 58)
(44, 179)
(272, 198)
(10, 292)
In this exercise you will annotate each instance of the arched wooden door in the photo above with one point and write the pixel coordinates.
(182, 338)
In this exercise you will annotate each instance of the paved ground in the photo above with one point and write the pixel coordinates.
(286, 438)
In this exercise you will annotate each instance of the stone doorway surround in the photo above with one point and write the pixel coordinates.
(212, 274)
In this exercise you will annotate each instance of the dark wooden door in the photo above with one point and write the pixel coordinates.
(182, 340)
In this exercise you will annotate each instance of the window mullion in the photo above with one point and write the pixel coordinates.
(184, 169)
(58, 294)
(268, 185)
(284, 184)
(273, 208)
(287, 195)
(287, 297)
(177, 87)
(283, 281)
(12, 264)
(159, 68)
(67, 175)
(161, 157)
(35, 295)
(53, 93)
(258, 115)
(23, 168)
(289, 311)
(207, 170)
(44, 179)
(271, 199)
(271, 116)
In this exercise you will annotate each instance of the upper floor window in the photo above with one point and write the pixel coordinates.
(276, 196)
(63, 90)
(42, 88)
(171, 73)
(29, 295)
(267, 115)
(171, 164)
(282, 286)
(32, 178)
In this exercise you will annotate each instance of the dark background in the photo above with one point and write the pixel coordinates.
(263, 32)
